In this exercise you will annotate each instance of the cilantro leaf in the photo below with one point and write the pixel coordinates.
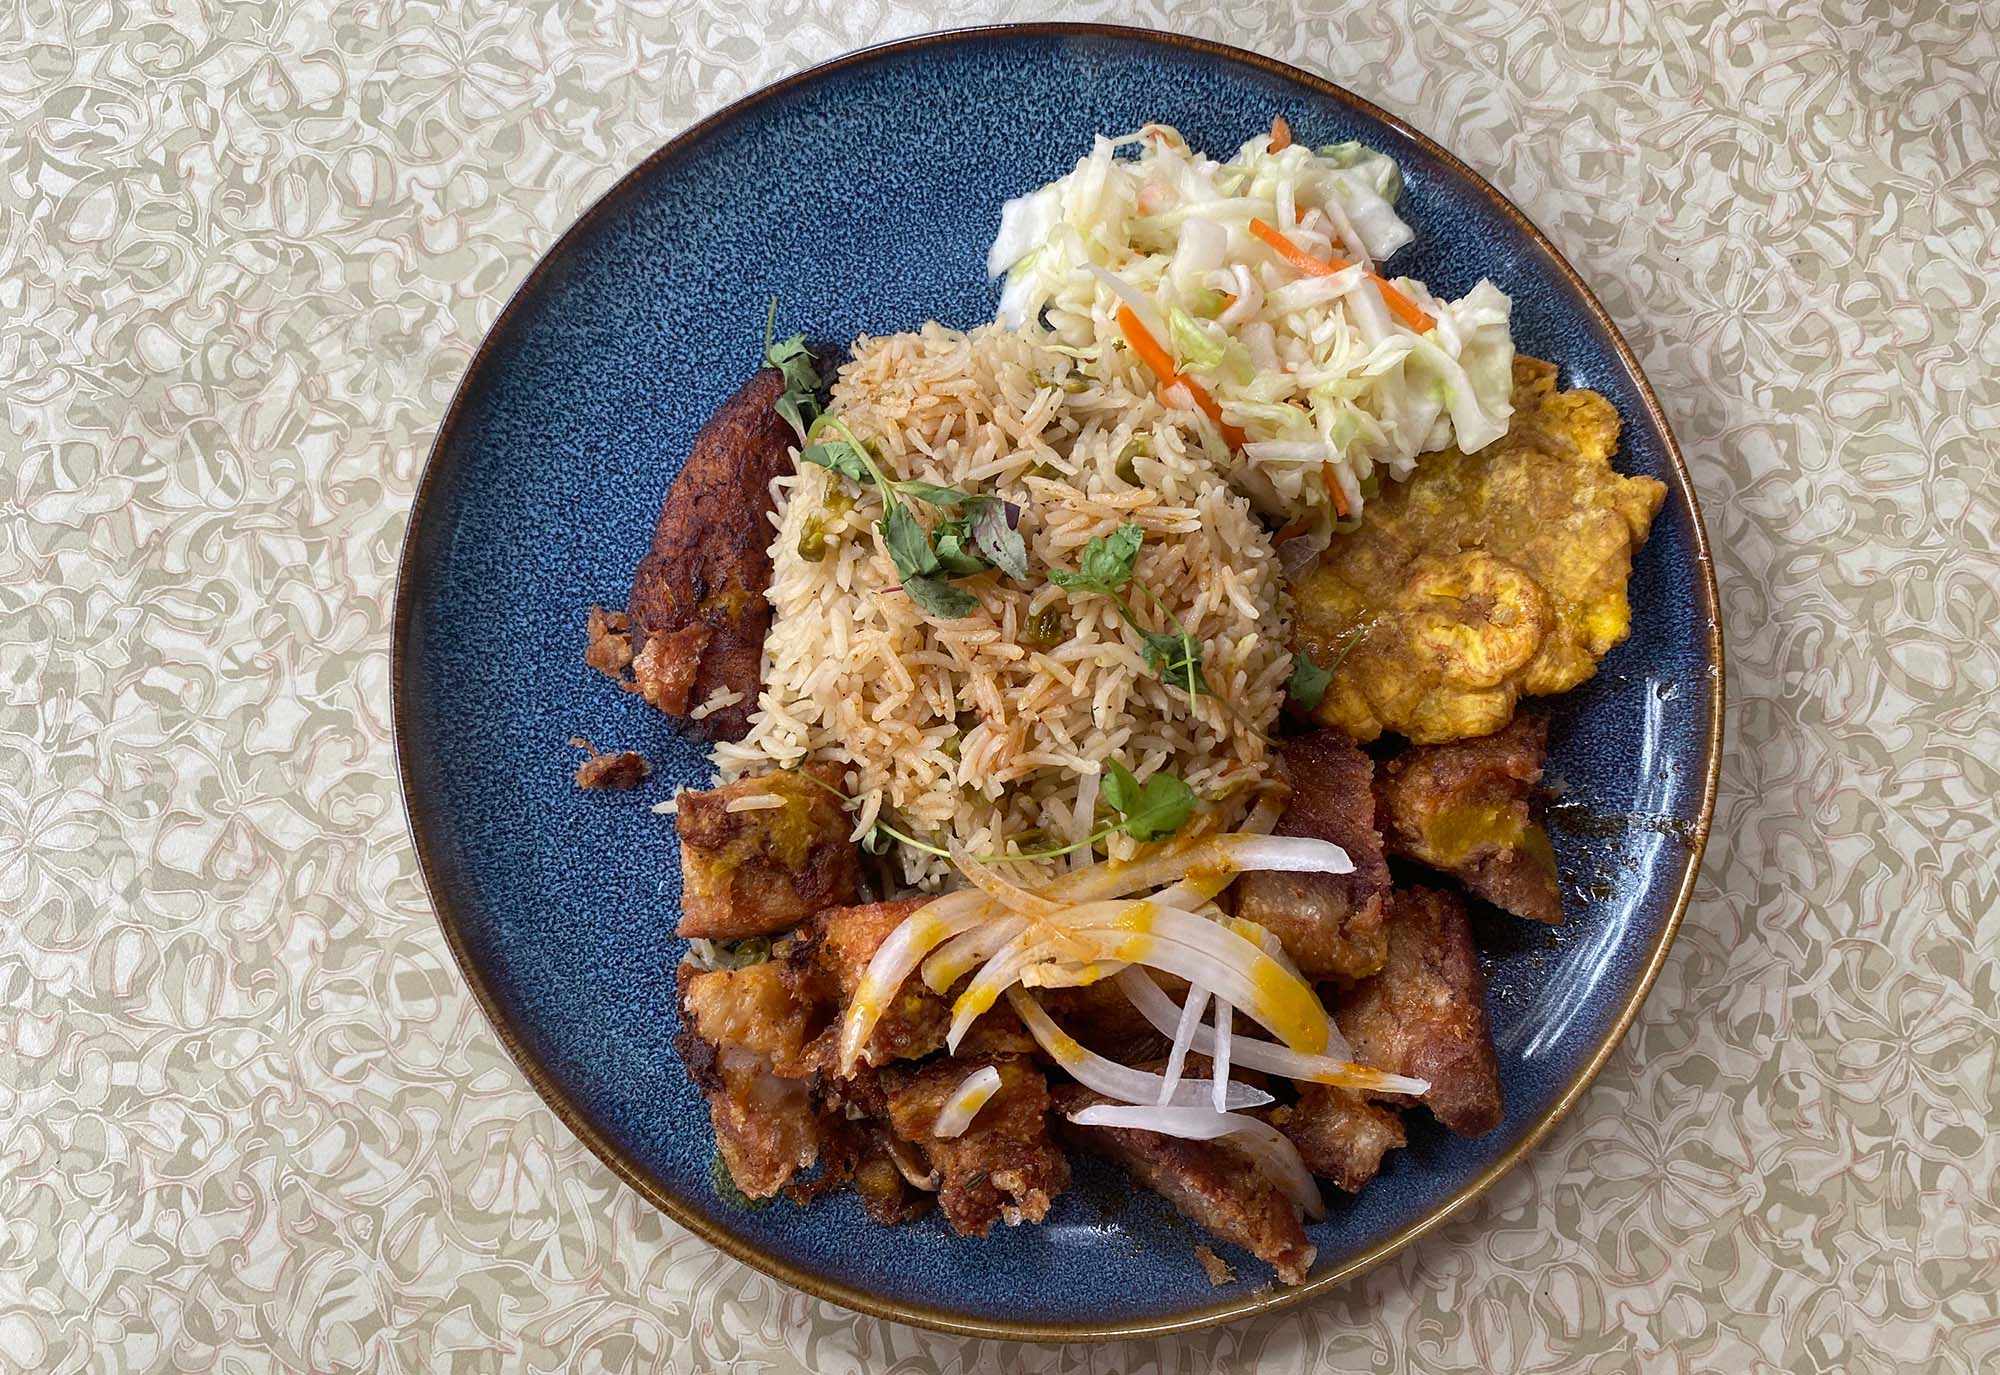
(797, 411)
(1308, 683)
(999, 541)
(939, 597)
(909, 545)
(794, 361)
(1107, 563)
(799, 402)
(840, 456)
(1148, 811)
(1118, 789)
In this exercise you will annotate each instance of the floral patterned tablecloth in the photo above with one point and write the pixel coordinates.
(250, 1119)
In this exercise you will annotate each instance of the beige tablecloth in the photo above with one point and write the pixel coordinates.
(249, 1118)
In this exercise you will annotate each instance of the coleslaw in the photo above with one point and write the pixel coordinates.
(1252, 291)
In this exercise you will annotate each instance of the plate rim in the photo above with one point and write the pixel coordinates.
(743, 1248)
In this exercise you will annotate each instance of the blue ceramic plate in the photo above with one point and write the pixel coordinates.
(864, 193)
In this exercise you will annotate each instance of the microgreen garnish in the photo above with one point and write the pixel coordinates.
(1106, 565)
(909, 544)
(1145, 811)
(994, 535)
(799, 402)
(1105, 569)
(932, 493)
(1308, 683)
(1175, 657)
(979, 537)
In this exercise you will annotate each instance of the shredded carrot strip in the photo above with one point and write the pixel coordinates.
(1296, 526)
(1146, 346)
(1228, 299)
(1293, 254)
(1230, 433)
(1281, 134)
(1400, 306)
(1403, 308)
(1162, 363)
(1331, 479)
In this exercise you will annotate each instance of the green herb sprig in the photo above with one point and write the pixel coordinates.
(799, 402)
(977, 537)
(1307, 686)
(1145, 811)
(1308, 683)
(1106, 570)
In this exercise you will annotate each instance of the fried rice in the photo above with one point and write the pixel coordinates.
(992, 730)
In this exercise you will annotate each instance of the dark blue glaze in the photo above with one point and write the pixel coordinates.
(864, 197)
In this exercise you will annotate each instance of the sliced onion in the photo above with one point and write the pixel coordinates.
(968, 950)
(1199, 867)
(1212, 860)
(913, 1170)
(965, 1101)
(1258, 985)
(1224, 1015)
(1286, 854)
(1148, 313)
(995, 977)
(1275, 992)
(1184, 1030)
(1110, 1078)
(1264, 1143)
(1330, 1068)
(1280, 1160)
(1068, 973)
(1265, 939)
(893, 960)
(1009, 895)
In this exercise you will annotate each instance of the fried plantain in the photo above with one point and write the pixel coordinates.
(1484, 578)
(698, 610)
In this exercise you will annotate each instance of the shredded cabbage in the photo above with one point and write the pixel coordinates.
(1327, 383)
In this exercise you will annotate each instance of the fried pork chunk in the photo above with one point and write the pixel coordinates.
(1208, 1182)
(609, 772)
(1104, 1019)
(1330, 924)
(1465, 808)
(609, 647)
(698, 608)
(1340, 1134)
(834, 949)
(743, 1038)
(781, 855)
(885, 1192)
(1483, 578)
(1004, 1167)
(1425, 1013)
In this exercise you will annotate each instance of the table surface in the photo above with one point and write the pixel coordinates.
(249, 1117)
